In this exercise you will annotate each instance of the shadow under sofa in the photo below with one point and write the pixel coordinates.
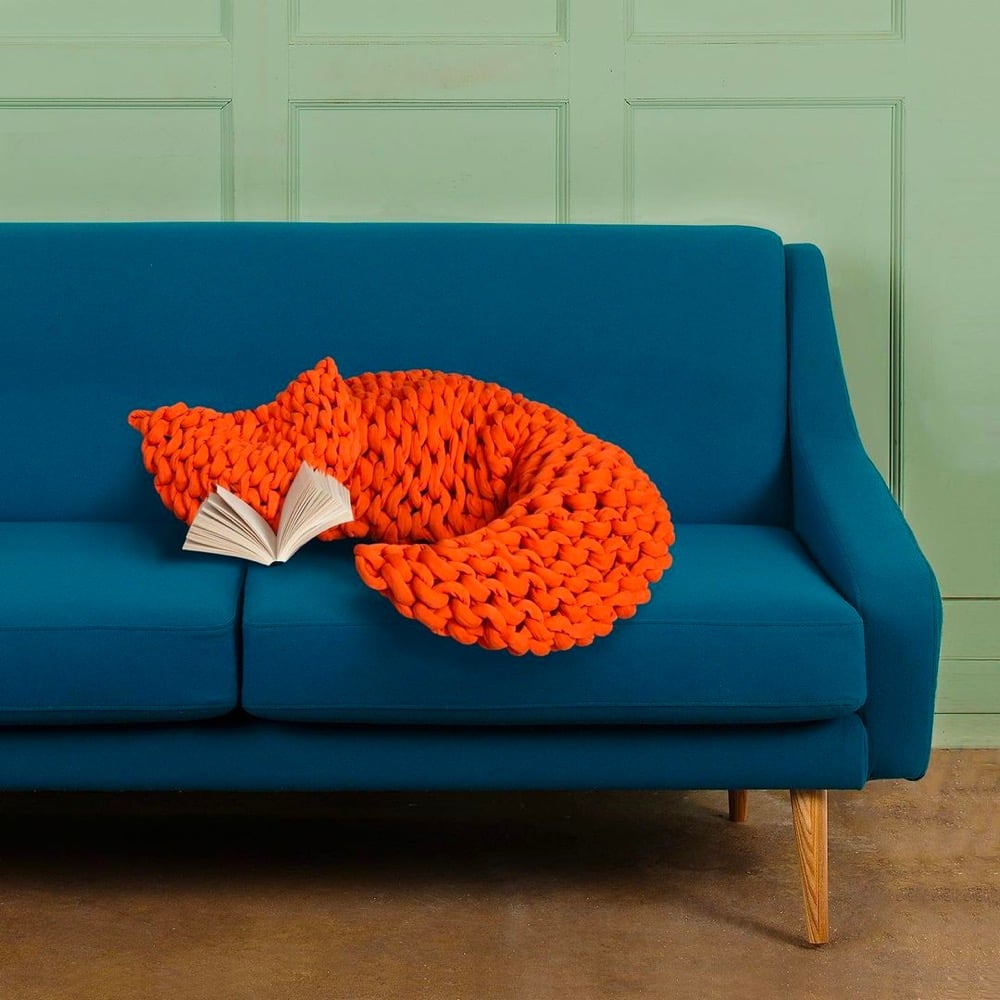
(792, 644)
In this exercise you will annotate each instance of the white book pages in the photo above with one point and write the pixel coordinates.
(254, 521)
(315, 502)
(226, 525)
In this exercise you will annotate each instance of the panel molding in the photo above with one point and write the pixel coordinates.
(955, 729)
(969, 686)
(895, 344)
(227, 167)
(223, 35)
(227, 187)
(296, 36)
(971, 630)
(561, 108)
(895, 33)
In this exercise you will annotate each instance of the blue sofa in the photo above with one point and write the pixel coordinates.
(793, 643)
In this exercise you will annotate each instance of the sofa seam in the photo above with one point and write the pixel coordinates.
(633, 624)
(121, 709)
(200, 629)
(845, 708)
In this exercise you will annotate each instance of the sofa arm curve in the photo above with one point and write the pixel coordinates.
(848, 520)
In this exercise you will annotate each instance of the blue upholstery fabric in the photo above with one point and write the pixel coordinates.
(639, 333)
(709, 353)
(269, 755)
(111, 622)
(742, 628)
(850, 523)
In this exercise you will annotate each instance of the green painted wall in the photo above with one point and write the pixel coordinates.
(863, 126)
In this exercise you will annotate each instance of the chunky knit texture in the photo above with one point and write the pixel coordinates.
(494, 519)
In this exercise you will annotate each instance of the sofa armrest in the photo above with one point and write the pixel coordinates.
(848, 520)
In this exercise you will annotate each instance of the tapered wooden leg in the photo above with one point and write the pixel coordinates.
(738, 799)
(809, 820)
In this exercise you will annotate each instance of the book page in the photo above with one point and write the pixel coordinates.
(254, 521)
(226, 525)
(314, 503)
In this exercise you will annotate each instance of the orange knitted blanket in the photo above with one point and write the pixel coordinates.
(493, 519)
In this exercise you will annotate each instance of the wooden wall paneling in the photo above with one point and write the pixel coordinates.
(791, 165)
(721, 21)
(397, 21)
(115, 110)
(115, 160)
(428, 161)
(131, 20)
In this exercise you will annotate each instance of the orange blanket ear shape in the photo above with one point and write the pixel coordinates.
(253, 453)
(494, 519)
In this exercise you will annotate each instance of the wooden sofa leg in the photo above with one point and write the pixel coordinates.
(809, 820)
(738, 799)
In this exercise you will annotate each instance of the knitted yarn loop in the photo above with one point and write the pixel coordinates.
(493, 519)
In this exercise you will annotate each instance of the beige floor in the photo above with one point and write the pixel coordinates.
(534, 896)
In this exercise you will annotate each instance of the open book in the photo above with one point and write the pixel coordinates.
(225, 525)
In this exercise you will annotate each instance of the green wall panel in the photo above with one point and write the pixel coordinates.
(968, 699)
(125, 18)
(404, 20)
(428, 161)
(735, 20)
(790, 165)
(971, 687)
(99, 161)
(971, 630)
(967, 730)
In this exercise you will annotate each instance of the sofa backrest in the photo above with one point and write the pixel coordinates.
(669, 341)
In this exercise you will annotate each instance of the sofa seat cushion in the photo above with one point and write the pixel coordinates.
(112, 622)
(744, 628)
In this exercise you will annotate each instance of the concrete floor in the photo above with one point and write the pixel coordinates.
(534, 896)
